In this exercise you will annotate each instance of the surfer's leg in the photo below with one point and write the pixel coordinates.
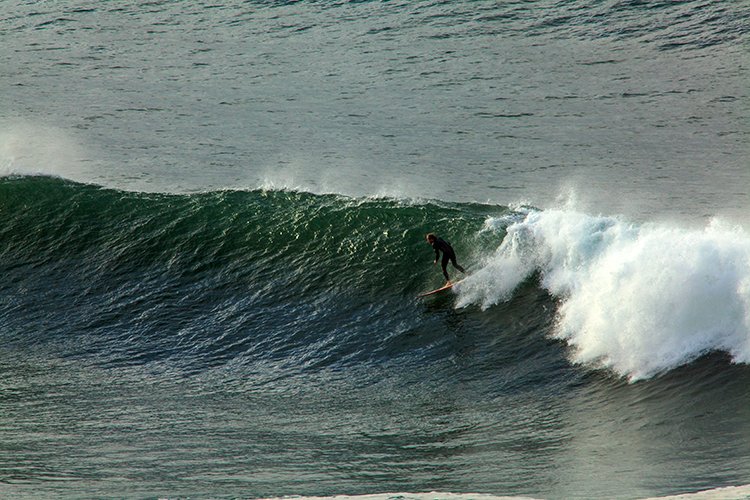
(455, 264)
(444, 263)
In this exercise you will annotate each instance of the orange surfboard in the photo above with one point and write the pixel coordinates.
(441, 289)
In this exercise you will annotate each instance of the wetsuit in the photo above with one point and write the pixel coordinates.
(448, 255)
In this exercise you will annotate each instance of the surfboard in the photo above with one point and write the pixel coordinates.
(438, 290)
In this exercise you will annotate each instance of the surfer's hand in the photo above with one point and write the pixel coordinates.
(434, 262)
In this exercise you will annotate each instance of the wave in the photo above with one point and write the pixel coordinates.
(304, 281)
(639, 300)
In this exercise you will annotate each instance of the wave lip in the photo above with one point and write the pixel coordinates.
(638, 300)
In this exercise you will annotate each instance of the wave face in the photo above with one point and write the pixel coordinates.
(210, 278)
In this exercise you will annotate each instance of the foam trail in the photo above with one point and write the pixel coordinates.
(639, 300)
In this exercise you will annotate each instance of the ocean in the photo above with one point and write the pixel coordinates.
(212, 239)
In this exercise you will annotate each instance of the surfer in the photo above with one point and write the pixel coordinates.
(449, 254)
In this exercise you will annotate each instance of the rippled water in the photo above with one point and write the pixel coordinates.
(638, 107)
(210, 290)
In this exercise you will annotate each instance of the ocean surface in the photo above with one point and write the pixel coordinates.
(212, 221)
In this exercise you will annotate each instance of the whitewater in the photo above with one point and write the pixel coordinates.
(639, 300)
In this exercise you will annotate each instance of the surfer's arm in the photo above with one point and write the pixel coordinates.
(437, 255)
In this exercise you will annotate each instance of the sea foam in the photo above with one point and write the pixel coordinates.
(636, 299)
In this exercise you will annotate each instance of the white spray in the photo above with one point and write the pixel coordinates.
(638, 300)
(29, 149)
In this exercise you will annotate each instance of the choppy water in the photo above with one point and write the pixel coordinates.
(211, 242)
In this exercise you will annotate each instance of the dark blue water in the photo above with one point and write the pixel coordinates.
(212, 224)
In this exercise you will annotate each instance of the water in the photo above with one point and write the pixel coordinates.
(212, 239)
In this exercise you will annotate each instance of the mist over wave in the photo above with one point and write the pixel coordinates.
(637, 299)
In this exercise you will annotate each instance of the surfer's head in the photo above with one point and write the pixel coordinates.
(431, 238)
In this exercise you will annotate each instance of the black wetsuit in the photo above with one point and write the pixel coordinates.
(448, 255)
